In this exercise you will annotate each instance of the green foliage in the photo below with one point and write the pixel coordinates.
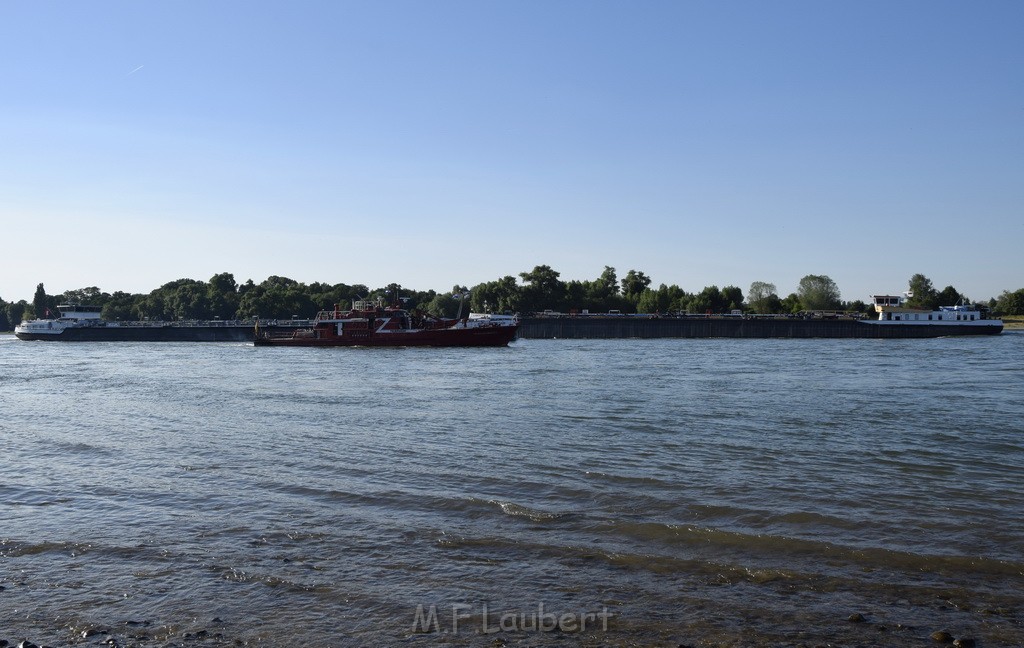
(443, 305)
(501, 296)
(277, 298)
(819, 292)
(666, 299)
(120, 306)
(859, 306)
(5, 321)
(540, 289)
(189, 300)
(1010, 303)
(710, 300)
(543, 289)
(791, 304)
(679, 299)
(733, 298)
(762, 297)
(598, 296)
(42, 303)
(91, 296)
(222, 296)
(606, 286)
(950, 296)
(634, 284)
(923, 294)
(326, 296)
(773, 305)
(577, 295)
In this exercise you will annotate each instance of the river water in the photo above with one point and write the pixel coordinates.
(595, 492)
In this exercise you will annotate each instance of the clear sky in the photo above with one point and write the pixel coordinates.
(434, 143)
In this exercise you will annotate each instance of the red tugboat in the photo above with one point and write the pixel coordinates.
(374, 325)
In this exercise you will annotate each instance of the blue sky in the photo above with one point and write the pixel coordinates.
(442, 143)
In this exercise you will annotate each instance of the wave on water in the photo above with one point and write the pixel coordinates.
(532, 514)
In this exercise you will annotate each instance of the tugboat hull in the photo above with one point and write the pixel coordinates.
(491, 336)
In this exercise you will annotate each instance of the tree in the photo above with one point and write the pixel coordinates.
(950, 296)
(578, 295)
(41, 303)
(922, 293)
(442, 305)
(501, 296)
(678, 299)
(791, 304)
(1010, 303)
(16, 311)
(277, 298)
(393, 294)
(543, 289)
(121, 306)
(5, 323)
(662, 300)
(774, 305)
(709, 300)
(819, 292)
(222, 296)
(189, 300)
(325, 296)
(759, 296)
(91, 296)
(607, 285)
(634, 283)
(860, 307)
(602, 294)
(732, 298)
(152, 306)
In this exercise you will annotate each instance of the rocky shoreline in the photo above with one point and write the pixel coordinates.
(857, 629)
(133, 634)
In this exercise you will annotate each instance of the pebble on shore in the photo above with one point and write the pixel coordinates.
(941, 636)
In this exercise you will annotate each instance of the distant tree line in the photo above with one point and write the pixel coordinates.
(540, 289)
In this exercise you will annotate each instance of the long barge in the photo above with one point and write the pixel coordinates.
(595, 327)
(83, 324)
(894, 321)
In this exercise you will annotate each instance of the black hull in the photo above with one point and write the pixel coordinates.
(583, 328)
(166, 333)
(466, 337)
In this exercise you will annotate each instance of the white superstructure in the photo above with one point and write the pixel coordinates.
(892, 310)
(71, 316)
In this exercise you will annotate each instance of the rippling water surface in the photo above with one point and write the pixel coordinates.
(624, 492)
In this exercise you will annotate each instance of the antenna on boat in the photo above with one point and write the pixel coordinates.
(462, 300)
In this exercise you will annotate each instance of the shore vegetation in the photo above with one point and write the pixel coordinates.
(538, 290)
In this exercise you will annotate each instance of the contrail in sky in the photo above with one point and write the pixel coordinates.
(135, 70)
